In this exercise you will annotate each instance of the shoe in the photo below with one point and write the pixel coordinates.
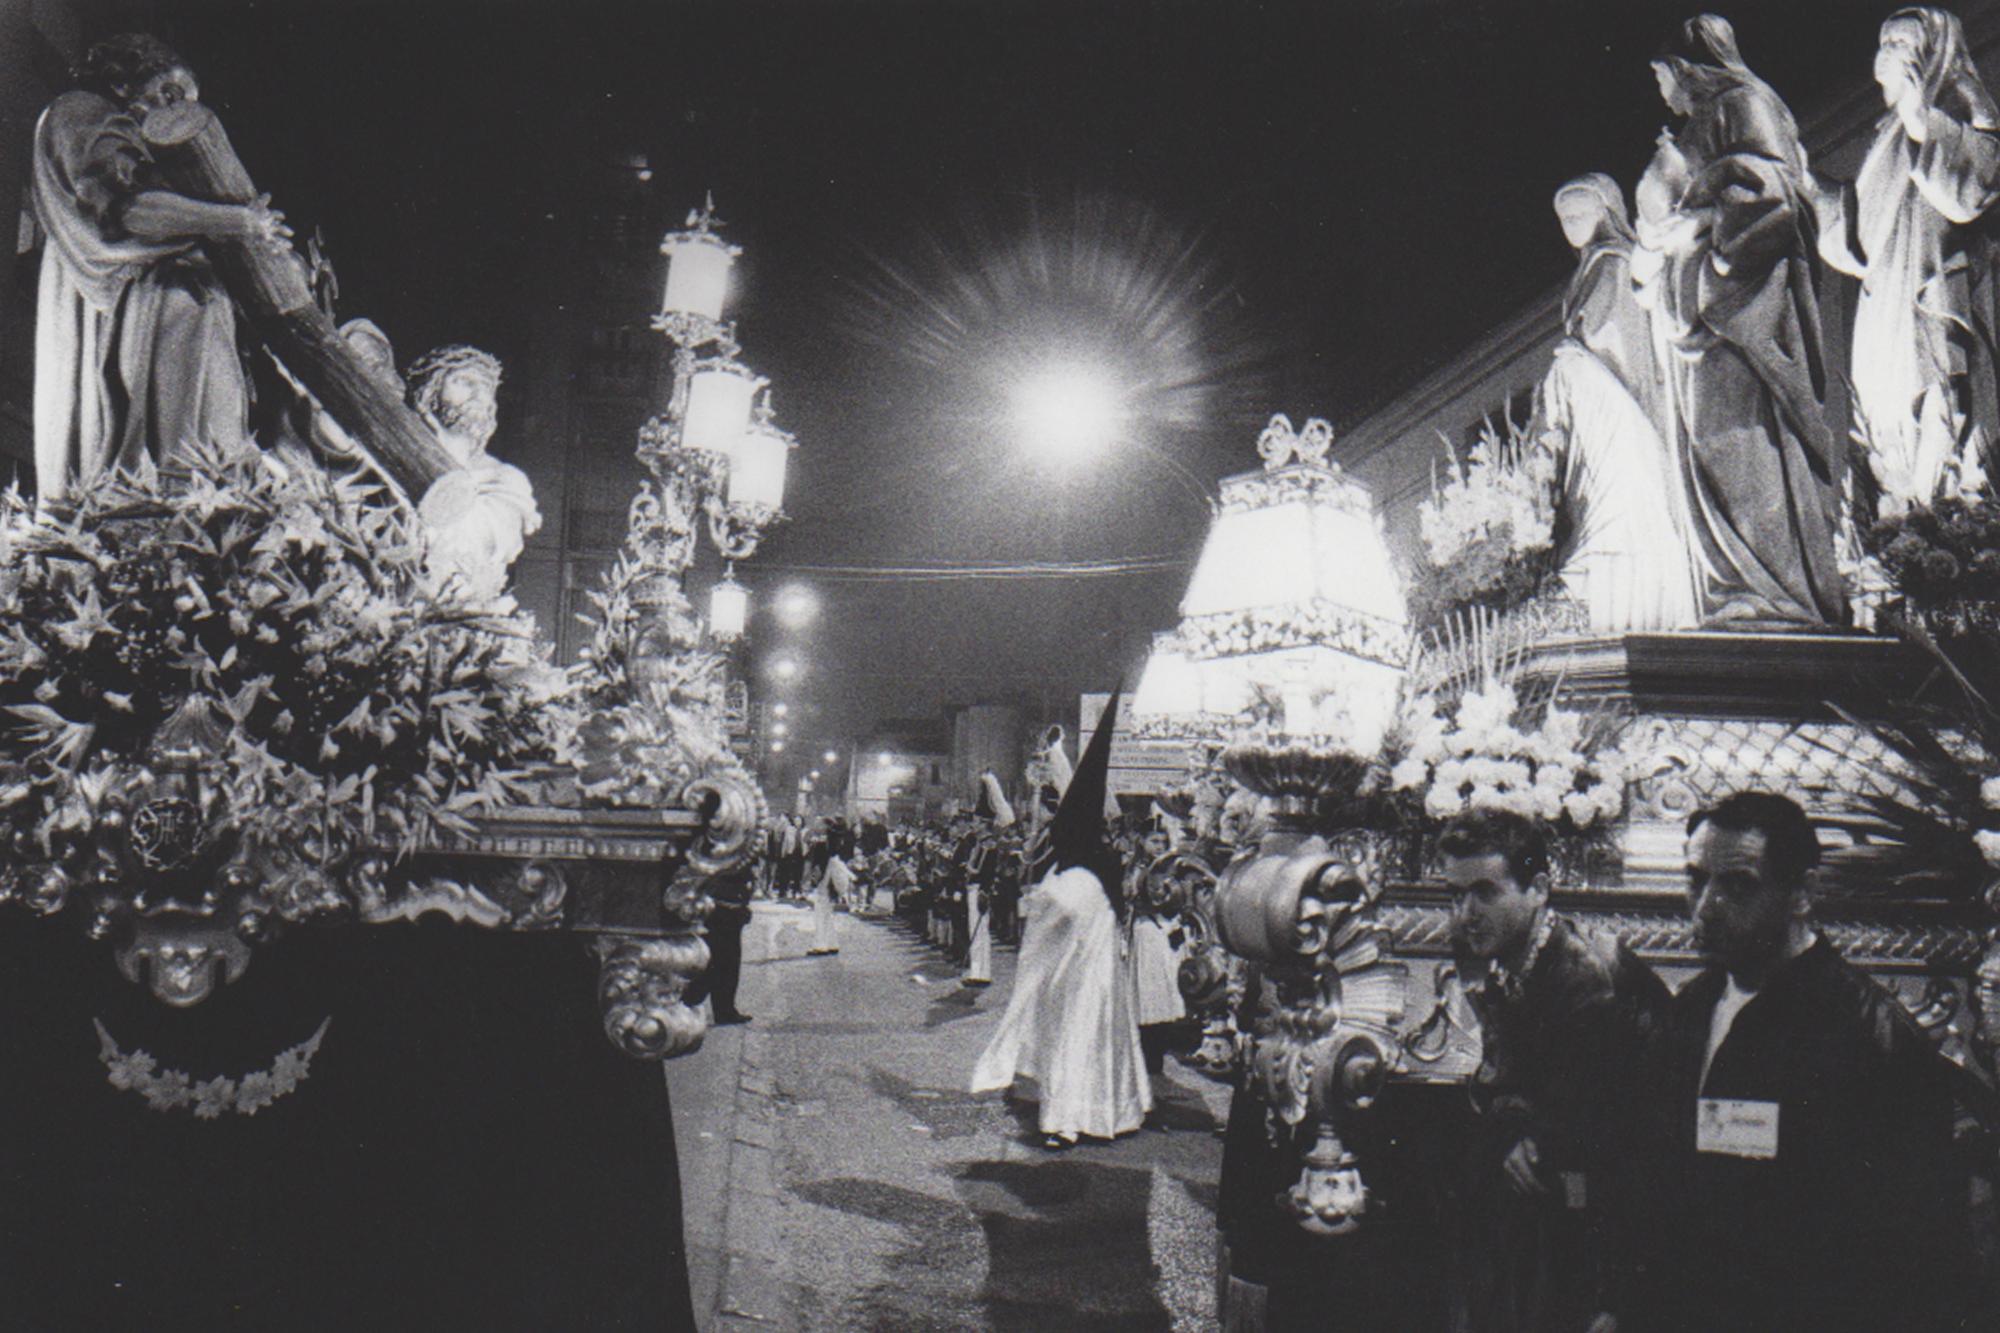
(1057, 1142)
(730, 1020)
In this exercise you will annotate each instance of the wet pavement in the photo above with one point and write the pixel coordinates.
(837, 1175)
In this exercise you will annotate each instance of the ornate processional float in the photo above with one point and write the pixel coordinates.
(259, 683)
(1677, 580)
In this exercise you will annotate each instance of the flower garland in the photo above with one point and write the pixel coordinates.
(170, 1090)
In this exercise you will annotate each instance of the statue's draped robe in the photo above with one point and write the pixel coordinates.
(466, 1151)
(1919, 332)
(1746, 374)
(1603, 393)
(135, 341)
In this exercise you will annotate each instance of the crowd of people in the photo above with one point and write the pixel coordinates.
(1775, 1146)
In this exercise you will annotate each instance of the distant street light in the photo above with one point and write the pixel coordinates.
(797, 605)
(814, 775)
(831, 756)
(785, 668)
(779, 728)
(886, 758)
(777, 747)
(780, 709)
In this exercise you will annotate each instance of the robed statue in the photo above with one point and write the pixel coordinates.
(1923, 361)
(1605, 397)
(479, 517)
(135, 339)
(1727, 246)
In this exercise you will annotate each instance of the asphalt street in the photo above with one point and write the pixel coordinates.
(837, 1175)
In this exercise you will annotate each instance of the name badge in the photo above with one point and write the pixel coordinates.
(1735, 1128)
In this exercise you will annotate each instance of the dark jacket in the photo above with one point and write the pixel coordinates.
(1854, 1223)
(1564, 1056)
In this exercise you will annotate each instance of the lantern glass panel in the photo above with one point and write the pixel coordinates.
(728, 609)
(697, 275)
(1169, 687)
(718, 408)
(757, 471)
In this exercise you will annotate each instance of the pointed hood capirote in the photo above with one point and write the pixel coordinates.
(1077, 832)
(993, 802)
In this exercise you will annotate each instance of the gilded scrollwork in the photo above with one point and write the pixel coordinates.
(641, 982)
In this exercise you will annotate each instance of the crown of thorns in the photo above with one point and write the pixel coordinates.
(428, 372)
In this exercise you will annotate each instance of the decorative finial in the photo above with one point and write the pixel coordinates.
(704, 219)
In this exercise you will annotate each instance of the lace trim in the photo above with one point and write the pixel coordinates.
(170, 1090)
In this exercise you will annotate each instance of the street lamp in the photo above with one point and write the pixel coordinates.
(728, 607)
(797, 605)
(777, 747)
(701, 455)
(831, 756)
(785, 668)
(780, 708)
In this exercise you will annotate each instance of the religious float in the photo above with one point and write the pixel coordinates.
(259, 682)
(1677, 580)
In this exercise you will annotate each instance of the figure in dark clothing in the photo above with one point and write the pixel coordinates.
(1566, 1019)
(726, 923)
(1807, 1181)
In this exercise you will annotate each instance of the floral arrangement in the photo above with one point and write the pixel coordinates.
(1941, 558)
(653, 691)
(1499, 529)
(1489, 755)
(285, 637)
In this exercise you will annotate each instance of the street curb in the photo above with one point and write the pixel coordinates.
(755, 1290)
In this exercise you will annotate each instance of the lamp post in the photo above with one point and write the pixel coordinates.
(714, 458)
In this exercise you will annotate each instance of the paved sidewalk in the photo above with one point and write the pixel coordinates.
(836, 1175)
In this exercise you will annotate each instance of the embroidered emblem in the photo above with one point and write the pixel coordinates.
(169, 1090)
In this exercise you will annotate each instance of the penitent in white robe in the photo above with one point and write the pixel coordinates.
(1071, 1022)
(826, 927)
(979, 948)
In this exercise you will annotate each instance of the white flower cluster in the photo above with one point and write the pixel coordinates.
(1483, 760)
(1989, 839)
(1499, 492)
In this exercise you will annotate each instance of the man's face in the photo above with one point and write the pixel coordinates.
(467, 408)
(165, 89)
(1492, 914)
(1740, 914)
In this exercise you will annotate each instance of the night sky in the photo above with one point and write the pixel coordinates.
(1247, 207)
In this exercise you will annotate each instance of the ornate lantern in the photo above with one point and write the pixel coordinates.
(698, 265)
(757, 469)
(720, 393)
(728, 607)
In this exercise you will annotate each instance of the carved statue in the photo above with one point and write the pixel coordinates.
(135, 340)
(1901, 227)
(1727, 241)
(1604, 394)
(480, 515)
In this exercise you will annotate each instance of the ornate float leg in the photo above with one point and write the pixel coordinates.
(640, 985)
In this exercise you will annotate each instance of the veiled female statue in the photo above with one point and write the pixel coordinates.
(1605, 396)
(1727, 241)
(1923, 372)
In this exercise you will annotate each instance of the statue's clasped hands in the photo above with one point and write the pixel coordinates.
(265, 225)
